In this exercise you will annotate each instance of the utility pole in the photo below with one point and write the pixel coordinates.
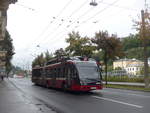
(144, 42)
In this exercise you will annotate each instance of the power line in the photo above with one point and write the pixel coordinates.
(101, 11)
(81, 6)
(52, 21)
(64, 8)
(109, 4)
(76, 19)
(118, 6)
(58, 16)
(97, 12)
(26, 7)
(89, 10)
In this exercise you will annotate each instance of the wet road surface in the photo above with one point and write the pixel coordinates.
(103, 101)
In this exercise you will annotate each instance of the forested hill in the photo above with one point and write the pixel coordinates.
(132, 46)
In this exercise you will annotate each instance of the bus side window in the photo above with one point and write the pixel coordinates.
(55, 72)
(49, 72)
(63, 71)
(59, 72)
(52, 72)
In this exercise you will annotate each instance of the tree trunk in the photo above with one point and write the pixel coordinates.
(105, 61)
(146, 78)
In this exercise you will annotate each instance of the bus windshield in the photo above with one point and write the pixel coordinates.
(87, 70)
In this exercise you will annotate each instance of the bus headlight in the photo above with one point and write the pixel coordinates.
(98, 83)
(82, 82)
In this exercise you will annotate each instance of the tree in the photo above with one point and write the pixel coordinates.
(60, 52)
(131, 41)
(48, 56)
(7, 45)
(39, 60)
(143, 27)
(79, 46)
(110, 45)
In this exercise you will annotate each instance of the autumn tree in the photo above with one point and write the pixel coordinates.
(143, 28)
(79, 46)
(110, 45)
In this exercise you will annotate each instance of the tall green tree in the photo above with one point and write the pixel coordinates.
(48, 56)
(131, 41)
(60, 52)
(39, 60)
(79, 46)
(110, 45)
(7, 45)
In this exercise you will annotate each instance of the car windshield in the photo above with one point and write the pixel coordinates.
(87, 70)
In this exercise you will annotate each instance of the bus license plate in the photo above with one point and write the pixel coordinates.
(93, 87)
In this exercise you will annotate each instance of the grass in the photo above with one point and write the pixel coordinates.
(138, 88)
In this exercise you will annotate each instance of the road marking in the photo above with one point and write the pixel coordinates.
(132, 94)
(116, 101)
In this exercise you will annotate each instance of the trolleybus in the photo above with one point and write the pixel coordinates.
(72, 73)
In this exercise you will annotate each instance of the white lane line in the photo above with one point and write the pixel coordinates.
(132, 94)
(116, 101)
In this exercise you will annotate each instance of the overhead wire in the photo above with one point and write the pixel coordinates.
(86, 13)
(76, 10)
(45, 29)
(76, 21)
(97, 13)
(118, 6)
(109, 5)
(74, 13)
(26, 7)
(68, 3)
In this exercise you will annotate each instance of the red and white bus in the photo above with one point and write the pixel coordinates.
(73, 73)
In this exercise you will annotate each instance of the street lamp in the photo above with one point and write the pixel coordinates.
(93, 3)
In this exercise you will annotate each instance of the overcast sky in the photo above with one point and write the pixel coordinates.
(47, 22)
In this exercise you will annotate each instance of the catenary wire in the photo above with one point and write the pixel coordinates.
(46, 28)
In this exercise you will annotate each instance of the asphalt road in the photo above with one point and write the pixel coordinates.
(103, 101)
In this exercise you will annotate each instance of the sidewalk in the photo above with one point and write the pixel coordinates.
(13, 101)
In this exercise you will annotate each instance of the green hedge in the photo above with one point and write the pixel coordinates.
(124, 79)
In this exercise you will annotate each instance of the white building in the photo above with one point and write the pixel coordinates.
(134, 69)
(131, 66)
(123, 63)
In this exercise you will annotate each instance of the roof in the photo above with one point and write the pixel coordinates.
(135, 65)
(121, 60)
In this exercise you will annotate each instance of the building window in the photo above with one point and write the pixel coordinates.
(3, 13)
